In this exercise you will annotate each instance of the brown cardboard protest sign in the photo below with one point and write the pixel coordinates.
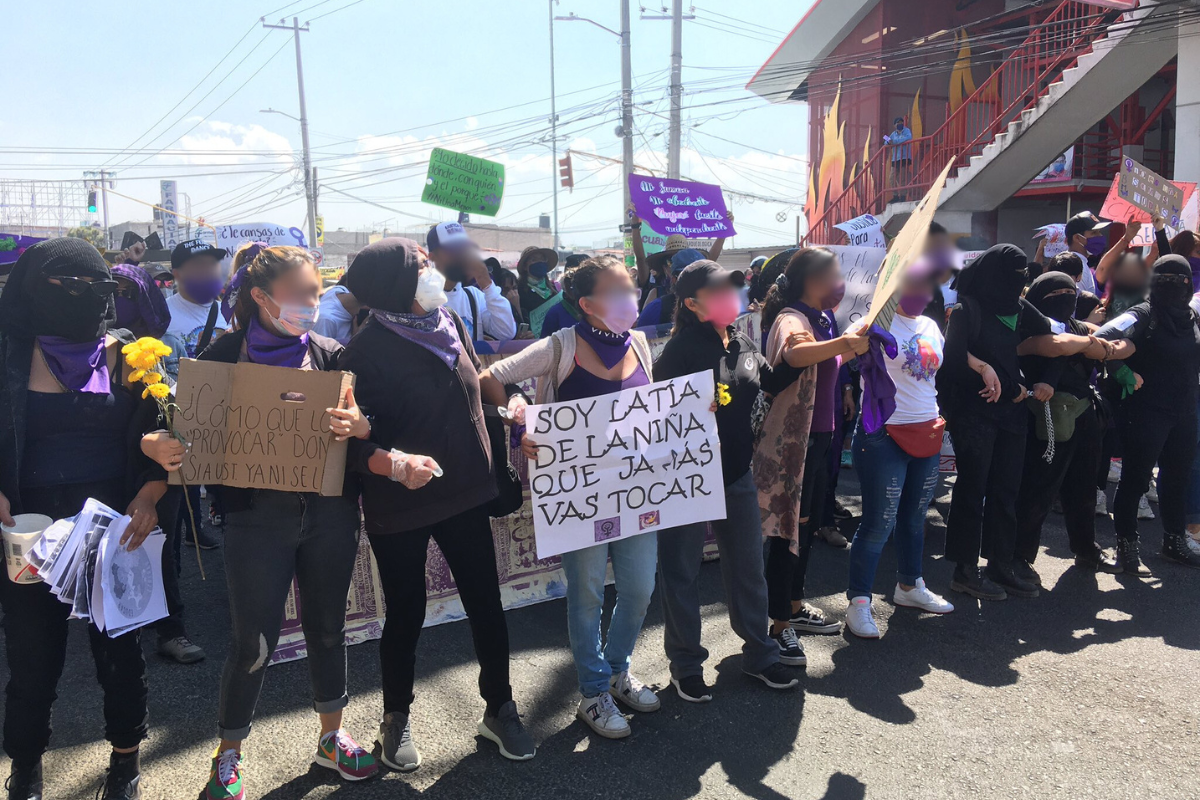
(260, 427)
(1144, 188)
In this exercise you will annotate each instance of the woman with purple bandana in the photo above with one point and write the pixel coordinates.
(274, 535)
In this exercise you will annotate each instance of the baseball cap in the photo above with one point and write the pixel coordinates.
(705, 274)
(759, 261)
(1084, 222)
(451, 235)
(683, 258)
(575, 259)
(186, 250)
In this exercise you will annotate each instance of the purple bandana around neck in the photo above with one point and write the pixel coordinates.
(611, 347)
(434, 331)
(264, 347)
(78, 366)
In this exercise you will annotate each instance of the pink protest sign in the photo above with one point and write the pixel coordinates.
(696, 210)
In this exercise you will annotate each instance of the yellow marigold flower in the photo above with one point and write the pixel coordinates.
(129, 348)
(160, 349)
(151, 378)
(723, 396)
(143, 360)
(157, 390)
(136, 375)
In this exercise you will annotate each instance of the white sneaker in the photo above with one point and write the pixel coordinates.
(633, 693)
(1114, 471)
(920, 597)
(1192, 545)
(601, 715)
(860, 620)
(1101, 503)
(1144, 510)
(1152, 492)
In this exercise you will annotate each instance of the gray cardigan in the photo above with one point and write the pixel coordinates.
(551, 360)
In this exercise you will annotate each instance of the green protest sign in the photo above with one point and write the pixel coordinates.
(463, 183)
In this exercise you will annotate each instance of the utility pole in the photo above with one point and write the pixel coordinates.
(104, 176)
(677, 17)
(309, 188)
(553, 128)
(626, 104)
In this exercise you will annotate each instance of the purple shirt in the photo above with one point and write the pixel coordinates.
(825, 405)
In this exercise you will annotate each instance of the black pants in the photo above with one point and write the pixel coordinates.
(35, 634)
(989, 462)
(466, 542)
(785, 571)
(1070, 476)
(1150, 436)
(171, 626)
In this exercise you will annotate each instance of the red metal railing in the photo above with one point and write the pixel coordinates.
(905, 172)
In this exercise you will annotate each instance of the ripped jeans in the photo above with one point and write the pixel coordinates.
(896, 490)
(286, 534)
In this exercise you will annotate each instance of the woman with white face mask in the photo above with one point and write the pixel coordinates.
(427, 474)
(272, 535)
(598, 356)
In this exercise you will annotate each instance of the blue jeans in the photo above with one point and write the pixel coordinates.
(896, 490)
(633, 560)
(1193, 495)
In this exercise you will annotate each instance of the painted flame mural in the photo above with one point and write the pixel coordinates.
(827, 182)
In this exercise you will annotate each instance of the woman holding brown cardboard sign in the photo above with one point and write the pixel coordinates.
(273, 535)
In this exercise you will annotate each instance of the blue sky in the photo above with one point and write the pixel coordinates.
(386, 81)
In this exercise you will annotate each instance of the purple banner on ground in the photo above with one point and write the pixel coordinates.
(696, 210)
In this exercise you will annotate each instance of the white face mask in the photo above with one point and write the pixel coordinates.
(431, 289)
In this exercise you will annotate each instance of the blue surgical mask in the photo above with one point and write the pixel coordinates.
(293, 319)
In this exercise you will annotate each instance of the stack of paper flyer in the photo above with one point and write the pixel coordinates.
(86, 567)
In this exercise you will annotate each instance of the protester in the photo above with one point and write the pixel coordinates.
(338, 310)
(507, 280)
(565, 313)
(70, 432)
(275, 535)
(418, 380)
(142, 310)
(897, 448)
(704, 339)
(1073, 457)
(533, 283)
(597, 356)
(653, 272)
(756, 291)
(471, 293)
(1085, 236)
(1161, 351)
(791, 469)
(981, 390)
(940, 258)
(661, 310)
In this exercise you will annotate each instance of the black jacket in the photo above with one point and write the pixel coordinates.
(419, 406)
(16, 357)
(324, 353)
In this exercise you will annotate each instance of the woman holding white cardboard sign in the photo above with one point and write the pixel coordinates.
(418, 377)
(273, 534)
(598, 356)
(70, 431)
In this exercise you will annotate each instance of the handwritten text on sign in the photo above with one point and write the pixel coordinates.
(696, 210)
(1150, 191)
(260, 427)
(625, 463)
(463, 183)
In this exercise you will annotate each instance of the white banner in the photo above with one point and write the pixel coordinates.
(860, 268)
(231, 237)
(170, 222)
(864, 231)
(625, 463)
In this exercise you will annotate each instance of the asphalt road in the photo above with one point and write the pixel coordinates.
(1086, 692)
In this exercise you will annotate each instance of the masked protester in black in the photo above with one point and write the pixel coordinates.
(1071, 470)
(69, 430)
(1160, 344)
(980, 391)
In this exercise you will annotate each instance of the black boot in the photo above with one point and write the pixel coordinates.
(25, 781)
(972, 581)
(124, 777)
(1026, 572)
(1007, 579)
(1128, 558)
(1175, 547)
(1098, 561)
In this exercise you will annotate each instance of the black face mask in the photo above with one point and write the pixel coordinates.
(56, 312)
(1058, 307)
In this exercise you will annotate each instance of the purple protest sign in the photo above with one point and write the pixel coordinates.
(12, 245)
(697, 210)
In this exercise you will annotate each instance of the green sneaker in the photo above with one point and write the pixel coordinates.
(337, 751)
(225, 780)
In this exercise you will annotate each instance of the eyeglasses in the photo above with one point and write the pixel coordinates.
(77, 287)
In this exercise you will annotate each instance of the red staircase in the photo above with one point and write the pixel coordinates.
(1053, 46)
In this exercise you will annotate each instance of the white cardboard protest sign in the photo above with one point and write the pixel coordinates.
(623, 464)
(1055, 236)
(860, 269)
(864, 231)
(231, 237)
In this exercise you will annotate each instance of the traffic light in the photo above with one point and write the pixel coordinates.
(566, 173)
(91, 201)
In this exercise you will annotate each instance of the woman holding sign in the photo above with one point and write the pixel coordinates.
(704, 339)
(597, 356)
(418, 377)
(274, 535)
(791, 458)
(70, 430)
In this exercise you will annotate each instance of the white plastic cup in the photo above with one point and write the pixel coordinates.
(19, 539)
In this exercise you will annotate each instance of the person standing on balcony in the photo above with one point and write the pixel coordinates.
(901, 159)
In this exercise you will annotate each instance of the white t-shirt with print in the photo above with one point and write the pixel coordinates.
(188, 320)
(914, 368)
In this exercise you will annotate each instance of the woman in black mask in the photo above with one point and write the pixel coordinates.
(69, 430)
(980, 389)
(1074, 455)
(1160, 344)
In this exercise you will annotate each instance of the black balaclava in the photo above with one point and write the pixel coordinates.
(1060, 307)
(995, 279)
(1171, 292)
(384, 275)
(32, 306)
